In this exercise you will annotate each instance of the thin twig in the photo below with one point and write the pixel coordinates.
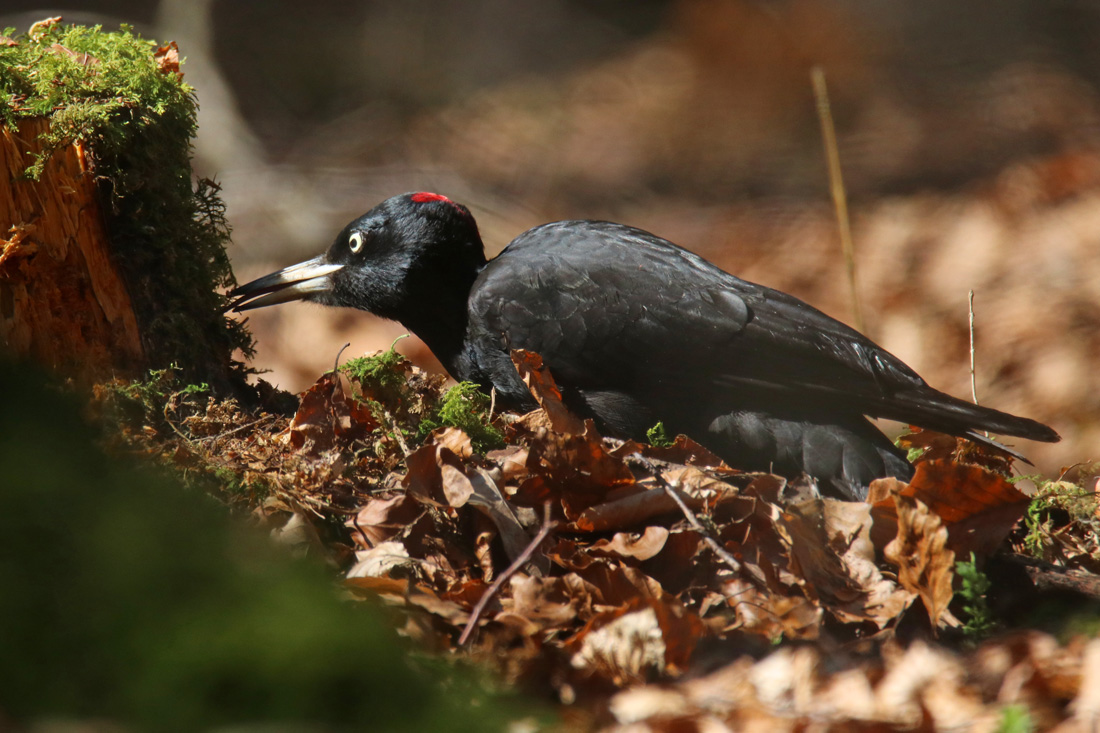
(725, 555)
(336, 366)
(836, 188)
(973, 374)
(544, 532)
(238, 429)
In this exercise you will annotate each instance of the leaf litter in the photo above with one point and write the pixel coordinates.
(652, 588)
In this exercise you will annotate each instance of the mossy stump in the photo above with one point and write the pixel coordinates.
(112, 256)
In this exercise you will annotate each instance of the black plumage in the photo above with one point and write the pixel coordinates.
(636, 330)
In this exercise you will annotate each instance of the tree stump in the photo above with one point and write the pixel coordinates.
(63, 303)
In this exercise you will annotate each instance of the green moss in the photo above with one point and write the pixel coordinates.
(658, 436)
(383, 376)
(144, 402)
(467, 408)
(975, 585)
(1079, 503)
(137, 118)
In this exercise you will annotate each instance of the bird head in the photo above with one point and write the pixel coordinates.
(392, 261)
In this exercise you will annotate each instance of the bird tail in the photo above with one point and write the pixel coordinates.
(947, 414)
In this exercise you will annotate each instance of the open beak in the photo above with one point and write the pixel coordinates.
(296, 282)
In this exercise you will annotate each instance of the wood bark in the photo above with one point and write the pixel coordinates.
(63, 303)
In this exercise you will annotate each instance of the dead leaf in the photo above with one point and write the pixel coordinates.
(683, 450)
(548, 603)
(624, 647)
(43, 26)
(167, 58)
(300, 536)
(637, 547)
(512, 460)
(382, 519)
(627, 511)
(539, 380)
(978, 507)
(577, 469)
(435, 473)
(380, 561)
(770, 614)
(925, 565)
(942, 447)
(830, 540)
(84, 59)
(326, 417)
(487, 498)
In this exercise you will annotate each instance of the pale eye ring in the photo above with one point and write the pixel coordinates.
(355, 242)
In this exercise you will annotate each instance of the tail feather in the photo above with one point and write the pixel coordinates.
(938, 411)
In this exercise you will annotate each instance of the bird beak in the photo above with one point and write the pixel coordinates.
(297, 282)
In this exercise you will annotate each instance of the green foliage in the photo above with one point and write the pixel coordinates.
(384, 384)
(465, 407)
(658, 437)
(975, 585)
(1080, 504)
(1015, 719)
(106, 89)
(144, 402)
(381, 376)
(83, 79)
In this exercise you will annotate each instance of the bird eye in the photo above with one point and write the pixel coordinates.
(355, 242)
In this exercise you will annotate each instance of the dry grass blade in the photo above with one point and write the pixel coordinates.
(836, 187)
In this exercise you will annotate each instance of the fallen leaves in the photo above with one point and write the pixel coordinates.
(647, 584)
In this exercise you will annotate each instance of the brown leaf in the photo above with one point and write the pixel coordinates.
(5, 41)
(683, 450)
(539, 380)
(624, 509)
(770, 614)
(925, 565)
(548, 603)
(623, 545)
(577, 468)
(628, 510)
(326, 417)
(453, 440)
(43, 25)
(380, 561)
(436, 474)
(640, 638)
(84, 59)
(978, 507)
(830, 540)
(939, 447)
(383, 519)
(487, 498)
(621, 646)
(370, 587)
(167, 58)
(512, 460)
(615, 584)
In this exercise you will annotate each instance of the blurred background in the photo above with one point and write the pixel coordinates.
(969, 135)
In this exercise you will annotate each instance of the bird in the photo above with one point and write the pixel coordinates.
(636, 330)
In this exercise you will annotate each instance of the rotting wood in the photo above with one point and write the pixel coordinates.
(63, 303)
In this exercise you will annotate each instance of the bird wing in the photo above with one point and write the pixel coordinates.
(610, 307)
